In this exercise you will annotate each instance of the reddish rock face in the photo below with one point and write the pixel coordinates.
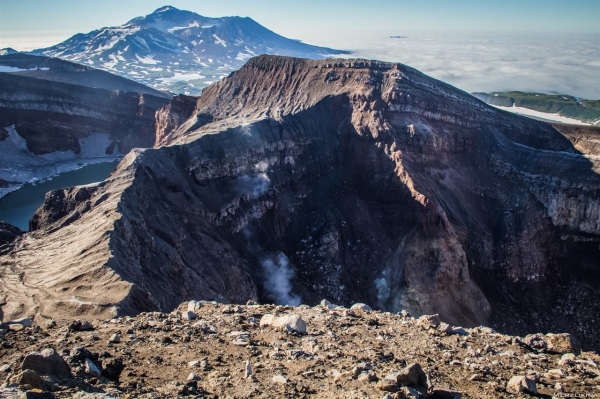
(54, 116)
(347, 179)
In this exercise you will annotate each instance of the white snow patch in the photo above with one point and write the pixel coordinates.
(147, 60)
(4, 68)
(219, 41)
(141, 43)
(542, 115)
(18, 164)
(243, 56)
(182, 77)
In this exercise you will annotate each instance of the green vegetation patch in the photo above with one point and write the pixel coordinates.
(569, 106)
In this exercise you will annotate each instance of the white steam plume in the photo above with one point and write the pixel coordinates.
(277, 280)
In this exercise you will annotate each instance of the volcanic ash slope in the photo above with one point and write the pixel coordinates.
(293, 180)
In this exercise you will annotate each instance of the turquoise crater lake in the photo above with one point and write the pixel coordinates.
(18, 207)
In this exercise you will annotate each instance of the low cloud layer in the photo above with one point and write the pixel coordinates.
(548, 63)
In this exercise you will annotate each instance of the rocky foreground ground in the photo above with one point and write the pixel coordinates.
(210, 350)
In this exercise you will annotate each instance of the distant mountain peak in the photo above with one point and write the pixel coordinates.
(165, 8)
(179, 50)
(7, 51)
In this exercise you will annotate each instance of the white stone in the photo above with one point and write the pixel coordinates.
(519, 384)
(328, 305)
(247, 369)
(189, 316)
(194, 305)
(291, 322)
(459, 331)
(361, 306)
(92, 369)
(25, 322)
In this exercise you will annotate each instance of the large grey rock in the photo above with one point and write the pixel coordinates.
(429, 320)
(92, 369)
(328, 305)
(189, 316)
(247, 369)
(25, 322)
(361, 306)
(536, 342)
(31, 378)
(444, 328)
(563, 343)
(459, 331)
(194, 305)
(411, 375)
(291, 322)
(47, 362)
(520, 384)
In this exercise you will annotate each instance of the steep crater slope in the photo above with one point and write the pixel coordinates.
(294, 180)
(50, 114)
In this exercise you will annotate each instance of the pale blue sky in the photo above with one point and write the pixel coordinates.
(27, 23)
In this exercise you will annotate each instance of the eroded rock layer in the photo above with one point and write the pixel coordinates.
(293, 180)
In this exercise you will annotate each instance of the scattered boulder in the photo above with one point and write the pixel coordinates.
(247, 369)
(567, 359)
(279, 379)
(47, 362)
(459, 331)
(361, 306)
(410, 393)
(412, 375)
(444, 328)
(81, 353)
(487, 330)
(267, 320)
(86, 326)
(536, 342)
(291, 323)
(115, 338)
(189, 316)
(431, 320)
(563, 343)
(555, 374)
(328, 305)
(113, 369)
(25, 322)
(520, 384)
(194, 305)
(389, 383)
(205, 327)
(91, 368)
(31, 378)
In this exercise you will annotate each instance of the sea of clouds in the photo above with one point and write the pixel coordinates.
(547, 63)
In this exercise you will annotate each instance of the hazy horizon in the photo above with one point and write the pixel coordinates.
(476, 45)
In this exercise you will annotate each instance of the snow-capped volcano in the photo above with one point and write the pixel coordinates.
(179, 50)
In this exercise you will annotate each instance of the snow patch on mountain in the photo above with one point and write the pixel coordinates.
(193, 45)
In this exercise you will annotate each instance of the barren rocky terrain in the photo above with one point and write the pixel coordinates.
(294, 180)
(209, 350)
